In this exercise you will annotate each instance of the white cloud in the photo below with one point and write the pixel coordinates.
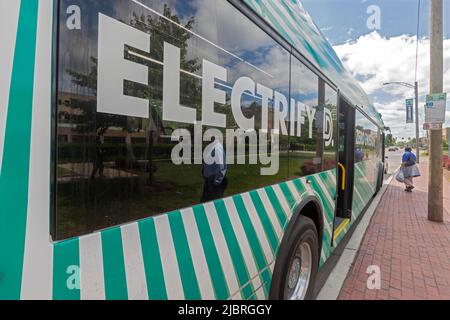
(374, 60)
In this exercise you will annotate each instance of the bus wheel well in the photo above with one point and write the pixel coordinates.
(313, 212)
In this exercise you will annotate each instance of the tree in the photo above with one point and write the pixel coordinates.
(160, 30)
(390, 140)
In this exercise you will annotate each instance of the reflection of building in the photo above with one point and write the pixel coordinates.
(70, 109)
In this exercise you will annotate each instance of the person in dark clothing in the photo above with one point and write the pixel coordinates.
(214, 172)
(98, 161)
(409, 168)
(359, 155)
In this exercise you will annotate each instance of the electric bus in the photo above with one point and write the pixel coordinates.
(176, 149)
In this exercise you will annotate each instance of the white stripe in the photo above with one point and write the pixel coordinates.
(169, 260)
(92, 280)
(9, 20)
(134, 262)
(309, 190)
(365, 178)
(198, 255)
(358, 194)
(37, 276)
(297, 196)
(260, 294)
(283, 202)
(325, 190)
(281, 20)
(323, 255)
(332, 177)
(271, 212)
(259, 229)
(243, 242)
(222, 249)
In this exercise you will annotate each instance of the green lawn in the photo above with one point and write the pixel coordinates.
(87, 205)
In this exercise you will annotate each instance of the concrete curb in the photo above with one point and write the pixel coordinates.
(335, 281)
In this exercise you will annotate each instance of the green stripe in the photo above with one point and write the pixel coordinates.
(265, 220)
(235, 251)
(329, 212)
(288, 194)
(66, 255)
(299, 185)
(252, 237)
(281, 215)
(325, 202)
(114, 265)
(16, 154)
(211, 254)
(184, 258)
(274, 21)
(331, 186)
(359, 182)
(152, 260)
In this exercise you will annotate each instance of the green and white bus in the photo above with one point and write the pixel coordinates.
(109, 110)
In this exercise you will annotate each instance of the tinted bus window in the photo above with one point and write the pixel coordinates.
(131, 126)
(330, 130)
(367, 139)
(313, 123)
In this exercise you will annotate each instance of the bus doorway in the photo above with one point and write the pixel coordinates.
(346, 161)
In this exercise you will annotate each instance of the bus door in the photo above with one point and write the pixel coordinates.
(346, 161)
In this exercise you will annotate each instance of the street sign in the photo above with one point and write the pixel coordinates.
(432, 126)
(435, 108)
(409, 111)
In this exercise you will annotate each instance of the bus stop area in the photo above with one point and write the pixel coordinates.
(409, 254)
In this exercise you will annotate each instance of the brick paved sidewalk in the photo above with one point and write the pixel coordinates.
(412, 252)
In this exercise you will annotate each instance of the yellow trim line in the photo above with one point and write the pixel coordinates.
(341, 228)
(344, 173)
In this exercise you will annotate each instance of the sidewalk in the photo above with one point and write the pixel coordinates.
(412, 252)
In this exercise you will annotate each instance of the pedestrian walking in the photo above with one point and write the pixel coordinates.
(214, 171)
(409, 169)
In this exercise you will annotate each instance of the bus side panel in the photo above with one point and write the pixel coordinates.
(18, 22)
(214, 250)
(225, 249)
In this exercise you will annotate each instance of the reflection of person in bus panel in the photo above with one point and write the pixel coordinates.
(214, 171)
(98, 165)
(359, 155)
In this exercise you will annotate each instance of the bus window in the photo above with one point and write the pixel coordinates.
(121, 75)
(330, 128)
(313, 110)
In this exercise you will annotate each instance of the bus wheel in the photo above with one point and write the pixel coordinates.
(298, 268)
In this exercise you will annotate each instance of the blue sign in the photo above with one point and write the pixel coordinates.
(409, 111)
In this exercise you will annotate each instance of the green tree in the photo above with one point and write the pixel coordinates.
(160, 30)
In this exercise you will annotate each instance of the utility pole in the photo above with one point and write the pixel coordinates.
(416, 93)
(435, 183)
(416, 90)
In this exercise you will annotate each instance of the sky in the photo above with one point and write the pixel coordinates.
(377, 55)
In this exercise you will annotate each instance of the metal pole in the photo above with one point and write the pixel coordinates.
(435, 183)
(416, 89)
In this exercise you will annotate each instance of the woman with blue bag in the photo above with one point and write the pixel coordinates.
(409, 169)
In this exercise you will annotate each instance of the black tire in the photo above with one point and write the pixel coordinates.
(303, 231)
